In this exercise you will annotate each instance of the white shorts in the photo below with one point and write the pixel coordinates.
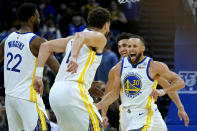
(25, 115)
(131, 120)
(74, 108)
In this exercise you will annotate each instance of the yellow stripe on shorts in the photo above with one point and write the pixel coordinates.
(33, 94)
(42, 118)
(149, 108)
(84, 96)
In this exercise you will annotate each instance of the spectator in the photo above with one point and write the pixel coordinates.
(3, 120)
(77, 24)
(88, 7)
(46, 9)
(109, 59)
(118, 19)
(5, 33)
(50, 32)
(64, 19)
(131, 11)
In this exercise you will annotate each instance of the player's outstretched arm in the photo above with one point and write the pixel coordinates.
(51, 61)
(112, 95)
(91, 39)
(176, 99)
(110, 81)
(108, 87)
(45, 55)
(47, 48)
(170, 83)
(2, 50)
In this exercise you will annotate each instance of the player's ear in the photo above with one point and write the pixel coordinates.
(143, 48)
(105, 26)
(31, 19)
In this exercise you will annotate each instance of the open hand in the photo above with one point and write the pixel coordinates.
(183, 115)
(95, 90)
(72, 65)
(105, 121)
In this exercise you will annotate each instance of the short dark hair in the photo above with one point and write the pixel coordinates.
(25, 11)
(123, 35)
(139, 37)
(98, 17)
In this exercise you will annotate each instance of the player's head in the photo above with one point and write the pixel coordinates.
(122, 40)
(27, 13)
(136, 48)
(99, 18)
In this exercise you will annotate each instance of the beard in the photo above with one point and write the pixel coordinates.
(36, 26)
(138, 56)
(107, 34)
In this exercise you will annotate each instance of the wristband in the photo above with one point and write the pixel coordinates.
(162, 91)
(39, 71)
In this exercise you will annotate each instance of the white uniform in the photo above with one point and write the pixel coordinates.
(138, 110)
(23, 104)
(69, 97)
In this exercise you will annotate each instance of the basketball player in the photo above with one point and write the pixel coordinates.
(122, 48)
(24, 107)
(138, 75)
(69, 97)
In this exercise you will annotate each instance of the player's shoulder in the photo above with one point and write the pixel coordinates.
(117, 67)
(39, 39)
(158, 66)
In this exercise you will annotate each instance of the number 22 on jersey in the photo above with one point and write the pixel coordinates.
(13, 58)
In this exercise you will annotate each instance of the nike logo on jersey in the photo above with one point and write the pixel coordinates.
(141, 114)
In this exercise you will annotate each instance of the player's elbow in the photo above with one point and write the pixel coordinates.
(45, 47)
(180, 83)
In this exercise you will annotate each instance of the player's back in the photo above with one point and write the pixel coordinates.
(19, 66)
(88, 61)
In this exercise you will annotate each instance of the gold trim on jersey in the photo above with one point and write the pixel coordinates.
(33, 94)
(149, 108)
(120, 110)
(84, 96)
(42, 118)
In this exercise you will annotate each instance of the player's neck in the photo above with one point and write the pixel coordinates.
(141, 58)
(138, 61)
(96, 29)
(25, 28)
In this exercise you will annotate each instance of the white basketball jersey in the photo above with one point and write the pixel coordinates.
(137, 84)
(88, 61)
(20, 66)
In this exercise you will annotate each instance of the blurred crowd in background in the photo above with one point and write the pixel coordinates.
(62, 18)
